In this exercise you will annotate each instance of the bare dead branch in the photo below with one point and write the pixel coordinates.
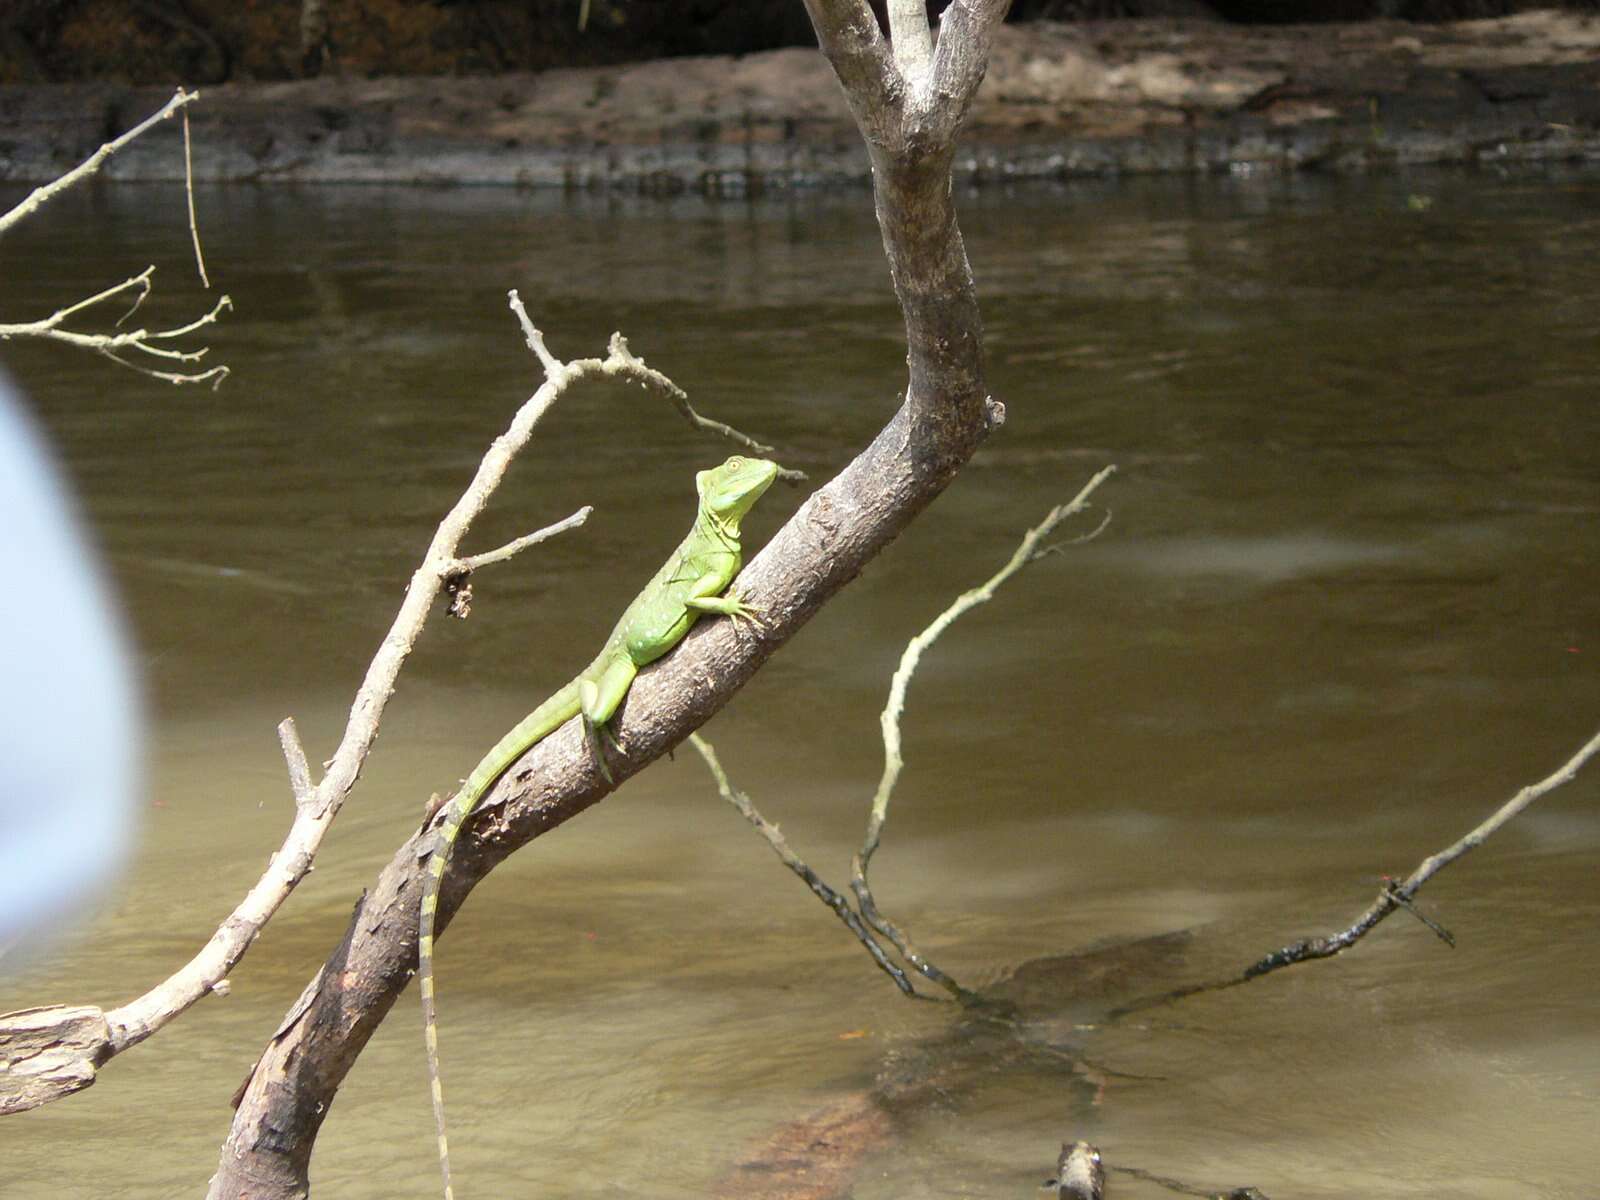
(137, 339)
(117, 347)
(43, 194)
(48, 1053)
(629, 366)
(1392, 896)
(632, 367)
(621, 363)
(139, 284)
(318, 803)
(214, 376)
(780, 847)
(1189, 1189)
(137, 1020)
(1027, 552)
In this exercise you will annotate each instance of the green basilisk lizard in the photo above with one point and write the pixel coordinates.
(692, 582)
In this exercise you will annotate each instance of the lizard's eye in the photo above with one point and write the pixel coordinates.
(735, 463)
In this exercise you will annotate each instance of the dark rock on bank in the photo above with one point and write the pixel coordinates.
(1060, 101)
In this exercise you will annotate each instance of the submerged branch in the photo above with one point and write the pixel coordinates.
(1399, 895)
(1391, 896)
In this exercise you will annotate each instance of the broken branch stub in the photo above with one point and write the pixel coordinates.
(50, 1052)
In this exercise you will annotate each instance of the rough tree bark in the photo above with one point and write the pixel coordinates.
(910, 108)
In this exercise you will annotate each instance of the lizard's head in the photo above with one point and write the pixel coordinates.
(729, 491)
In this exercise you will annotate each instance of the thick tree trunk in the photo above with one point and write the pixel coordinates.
(910, 125)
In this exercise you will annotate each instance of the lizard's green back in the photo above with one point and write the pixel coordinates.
(693, 581)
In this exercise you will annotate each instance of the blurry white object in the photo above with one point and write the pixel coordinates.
(69, 710)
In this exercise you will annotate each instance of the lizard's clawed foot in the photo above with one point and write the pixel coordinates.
(754, 614)
(596, 736)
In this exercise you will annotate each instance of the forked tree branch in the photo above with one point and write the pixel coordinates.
(945, 416)
(27, 1076)
(124, 348)
(117, 346)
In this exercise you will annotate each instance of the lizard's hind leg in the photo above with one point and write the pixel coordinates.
(599, 699)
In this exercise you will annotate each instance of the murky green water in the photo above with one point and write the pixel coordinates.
(1346, 606)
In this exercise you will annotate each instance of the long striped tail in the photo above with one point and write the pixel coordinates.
(542, 721)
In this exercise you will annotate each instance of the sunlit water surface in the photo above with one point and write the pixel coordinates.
(1347, 604)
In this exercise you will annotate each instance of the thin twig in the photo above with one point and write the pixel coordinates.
(221, 306)
(49, 191)
(1027, 551)
(188, 188)
(214, 376)
(465, 566)
(140, 282)
(780, 847)
(137, 339)
(533, 337)
(113, 345)
(1392, 888)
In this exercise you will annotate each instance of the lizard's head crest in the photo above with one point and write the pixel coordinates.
(729, 491)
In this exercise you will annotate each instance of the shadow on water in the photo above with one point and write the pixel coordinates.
(1346, 606)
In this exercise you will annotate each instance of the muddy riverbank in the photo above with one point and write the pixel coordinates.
(1061, 101)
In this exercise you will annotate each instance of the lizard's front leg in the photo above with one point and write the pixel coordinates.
(703, 598)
